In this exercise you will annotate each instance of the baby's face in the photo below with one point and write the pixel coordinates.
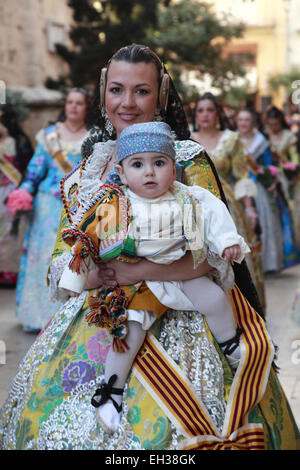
(148, 174)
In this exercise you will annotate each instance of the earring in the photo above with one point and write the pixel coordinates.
(107, 124)
(157, 115)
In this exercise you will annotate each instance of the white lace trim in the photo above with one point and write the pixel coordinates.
(91, 175)
(55, 271)
(245, 187)
(93, 170)
(187, 149)
(222, 273)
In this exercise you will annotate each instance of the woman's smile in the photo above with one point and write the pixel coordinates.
(131, 94)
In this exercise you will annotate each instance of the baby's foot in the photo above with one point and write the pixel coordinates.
(108, 417)
(234, 358)
(108, 409)
(231, 349)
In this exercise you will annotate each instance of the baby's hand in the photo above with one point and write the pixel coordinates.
(232, 253)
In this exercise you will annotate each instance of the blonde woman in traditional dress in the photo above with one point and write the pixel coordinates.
(227, 153)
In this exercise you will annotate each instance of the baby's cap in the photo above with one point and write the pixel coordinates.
(146, 137)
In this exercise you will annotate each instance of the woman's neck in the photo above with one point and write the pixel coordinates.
(276, 135)
(74, 126)
(247, 138)
(209, 138)
(71, 131)
(209, 132)
(247, 135)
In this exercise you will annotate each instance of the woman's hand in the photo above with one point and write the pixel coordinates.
(144, 270)
(250, 212)
(251, 216)
(102, 276)
(121, 273)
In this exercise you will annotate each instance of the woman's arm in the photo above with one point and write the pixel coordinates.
(36, 170)
(117, 272)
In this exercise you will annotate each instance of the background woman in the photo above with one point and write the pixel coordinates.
(227, 153)
(284, 149)
(258, 149)
(57, 151)
(15, 153)
(49, 403)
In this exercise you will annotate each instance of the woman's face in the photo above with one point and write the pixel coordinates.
(206, 115)
(244, 122)
(274, 125)
(75, 107)
(131, 94)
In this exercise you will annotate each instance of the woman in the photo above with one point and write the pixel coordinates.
(57, 151)
(15, 153)
(49, 403)
(284, 149)
(258, 150)
(227, 153)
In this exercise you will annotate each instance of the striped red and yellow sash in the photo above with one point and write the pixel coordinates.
(10, 171)
(176, 396)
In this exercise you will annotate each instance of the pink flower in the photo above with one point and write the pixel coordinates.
(98, 346)
(274, 170)
(260, 171)
(19, 200)
(289, 166)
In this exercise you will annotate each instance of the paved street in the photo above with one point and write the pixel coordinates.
(280, 291)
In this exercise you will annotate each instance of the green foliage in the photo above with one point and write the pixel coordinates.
(15, 106)
(284, 79)
(97, 34)
(236, 95)
(190, 36)
(186, 34)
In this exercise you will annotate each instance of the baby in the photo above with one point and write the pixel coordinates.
(168, 218)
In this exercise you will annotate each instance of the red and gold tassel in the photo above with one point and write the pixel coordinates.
(76, 262)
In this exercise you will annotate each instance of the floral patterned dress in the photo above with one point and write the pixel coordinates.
(42, 179)
(48, 406)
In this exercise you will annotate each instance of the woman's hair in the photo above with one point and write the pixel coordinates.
(174, 116)
(135, 54)
(275, 113)
(222, 118)
(24, 149)
(62, 115)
